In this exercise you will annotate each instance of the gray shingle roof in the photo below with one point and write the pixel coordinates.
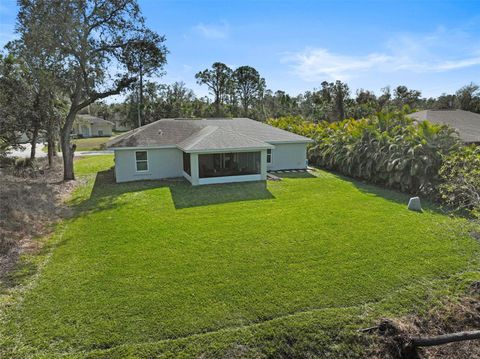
(466, 123)
(237, 133)
(93, 119)
(213, 137)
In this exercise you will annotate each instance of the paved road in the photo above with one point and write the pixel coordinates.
(93, 153)
(24, 152)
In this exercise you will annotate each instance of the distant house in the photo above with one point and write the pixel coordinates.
(91, 126)
(466, 123)
(119, 123)
(206, 151)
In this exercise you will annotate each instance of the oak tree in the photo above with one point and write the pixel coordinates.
(94, 44)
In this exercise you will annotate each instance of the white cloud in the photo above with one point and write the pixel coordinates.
(315, 64)
(441, 51)
(213, 31)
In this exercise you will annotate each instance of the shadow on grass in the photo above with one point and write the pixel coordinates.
(105, 192)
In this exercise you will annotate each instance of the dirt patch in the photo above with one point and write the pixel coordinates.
(29, 205)
(450, 317)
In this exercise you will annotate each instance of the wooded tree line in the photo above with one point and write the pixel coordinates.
(243, 93)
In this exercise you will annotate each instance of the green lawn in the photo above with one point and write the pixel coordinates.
(89, 144)
(161, 268)
(92, 143)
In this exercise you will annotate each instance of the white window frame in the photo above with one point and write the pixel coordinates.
(136, 162)
(269, 155)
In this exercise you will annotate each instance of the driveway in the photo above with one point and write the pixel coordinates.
(24, 152)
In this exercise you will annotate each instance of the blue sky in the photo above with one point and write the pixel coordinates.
(432, 46)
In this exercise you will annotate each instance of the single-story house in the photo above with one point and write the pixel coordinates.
(206, 151)
(466, 123)
(91, 126)
(120, 123)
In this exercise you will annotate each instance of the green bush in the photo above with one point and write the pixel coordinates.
(298, 125)
(460, 175)
(386, 149)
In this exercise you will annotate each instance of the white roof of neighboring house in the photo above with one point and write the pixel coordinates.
(206, 135)
(465, 122)
(93, 120)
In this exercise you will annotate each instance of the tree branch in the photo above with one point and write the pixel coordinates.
(94, 96)
(443, 339)
(106, 19)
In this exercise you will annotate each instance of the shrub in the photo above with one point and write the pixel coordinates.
(460, 175)
(386, 149)
(298, 125)
(6, 162)
(25, 167)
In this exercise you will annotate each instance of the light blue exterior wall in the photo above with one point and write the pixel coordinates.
(105, 128)
(162, 163)
(168, 163)
(86, 129)
(288, 156)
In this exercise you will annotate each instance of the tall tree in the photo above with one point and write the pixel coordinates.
(145, 59)
(406, 97)
(39, 72)
(219, 81)
(385, 98)
(149, 104)
(333, 97)
(341, 94)
(176, 100)
(444, 102)
(468, 98)
(86, 37)
(316, 105)
(249, 86)
(365, 104)
(15, 102)
(279, 104)
(25, 79)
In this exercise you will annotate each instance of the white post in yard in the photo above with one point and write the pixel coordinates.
(263, 164)
(194, 168)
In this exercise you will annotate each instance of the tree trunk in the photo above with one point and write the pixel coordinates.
(51, 141)
(245, 107)
(141, 95)
(139, 117)
(444, 339)
(217, 107)
(33, 141)
(68, 151)
(51, 151)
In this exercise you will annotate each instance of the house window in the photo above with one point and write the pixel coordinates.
(100, 132)
(269, 156)
(141, 159)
